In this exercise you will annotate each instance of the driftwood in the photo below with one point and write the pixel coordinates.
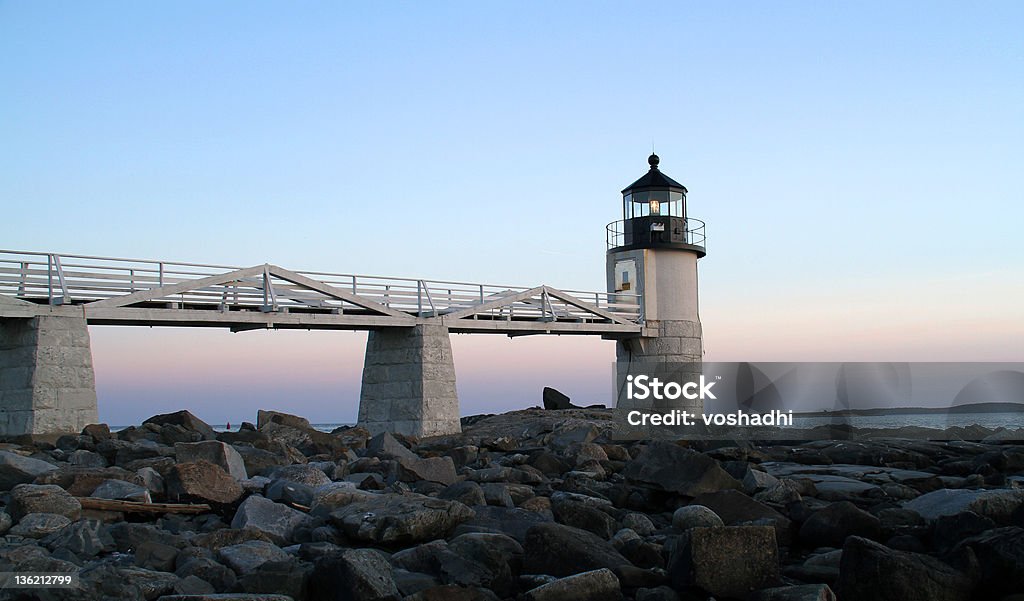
(140, 507)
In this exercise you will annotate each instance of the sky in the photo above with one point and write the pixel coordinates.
(857, 164)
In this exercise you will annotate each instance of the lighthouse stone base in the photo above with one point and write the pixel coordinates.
(409, 382)
(676, 353)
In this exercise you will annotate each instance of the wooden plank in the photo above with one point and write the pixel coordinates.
(141, 507)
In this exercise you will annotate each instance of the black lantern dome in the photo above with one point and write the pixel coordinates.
(654, 215)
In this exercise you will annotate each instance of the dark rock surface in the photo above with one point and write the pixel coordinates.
(534, 504)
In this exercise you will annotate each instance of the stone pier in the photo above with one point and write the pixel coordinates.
(409, 382)
(47, 384)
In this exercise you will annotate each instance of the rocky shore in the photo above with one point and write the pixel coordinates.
(534, 505)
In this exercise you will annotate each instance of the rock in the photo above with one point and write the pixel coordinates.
(186, 420)
(246, 557)
(39, 525)
(561, 550)
(870, 571)
(639, 523)
(258, 461)
(274, 519)
(453, 592)
(386, 446)
(85, 538)
(204, 481)
(309, 475)
(264, 417)
(226, 597)
(949, 530)
(669, 467)
(214, 451)
(803, 592)
(997, 505)
(308, 441)
(328, 497)
(290, 493)
(226, 537)
(353, 575)
(431, 469)
(695, 516)
(466, 492)
(755, 481)
(157, 556)
(496, 494)
(193, 585)
(660, 593)
(45, 498)
(736, 508)
(221, 577)
(82, 481)
(595, 585)
(729, 561)
(84, 458)
(513, 522)
(97, 432)
(15, 469)
(5, 522)
(410, 583)
(554, 400)
(290, 578)
(1000, 556)
(399, 519)
(830, 526)
(579, 514)
(120, 489)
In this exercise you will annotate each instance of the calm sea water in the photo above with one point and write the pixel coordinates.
(992, 421)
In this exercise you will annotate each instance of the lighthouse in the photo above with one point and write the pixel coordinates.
(652, 259)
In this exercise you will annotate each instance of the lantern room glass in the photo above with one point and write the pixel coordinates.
(667, 203)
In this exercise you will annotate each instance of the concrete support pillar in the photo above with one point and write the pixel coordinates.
(676, 354)
(47, 384)
(409, 382)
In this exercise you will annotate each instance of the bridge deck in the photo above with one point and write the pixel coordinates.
(114, 291)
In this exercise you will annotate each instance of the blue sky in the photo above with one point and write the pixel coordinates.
(857, 165)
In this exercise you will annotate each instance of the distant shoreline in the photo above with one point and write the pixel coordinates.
(967, 408)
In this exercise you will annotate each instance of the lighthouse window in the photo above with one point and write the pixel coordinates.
(655, 207)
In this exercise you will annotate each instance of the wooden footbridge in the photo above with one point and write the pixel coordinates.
(113, 291)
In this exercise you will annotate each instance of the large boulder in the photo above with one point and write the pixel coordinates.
(728, 561)
(264, 417)
(399, 519)
(870, 571)
(16, 469)
(84, 538)
(431, 469)
(560, 550)
(307, 440)
(121, 489)
(515, 522)
(997, 505)
(353, 575)
(386, 446)
(43, 498)
(802, 592)
(202, 481)
(276, 520)
(214, 451)
(666, 466)
(82, 481)
(466, 492)
(736, 509)
(1000, 555)
(39, 525)
(186, 420)
(830, 526)
(695, 516)
(246, 557)
(595, 585)
(575, 512)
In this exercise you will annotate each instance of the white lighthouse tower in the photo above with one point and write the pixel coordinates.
(653, 252)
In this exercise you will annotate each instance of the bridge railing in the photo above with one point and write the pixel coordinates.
(58, 279)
